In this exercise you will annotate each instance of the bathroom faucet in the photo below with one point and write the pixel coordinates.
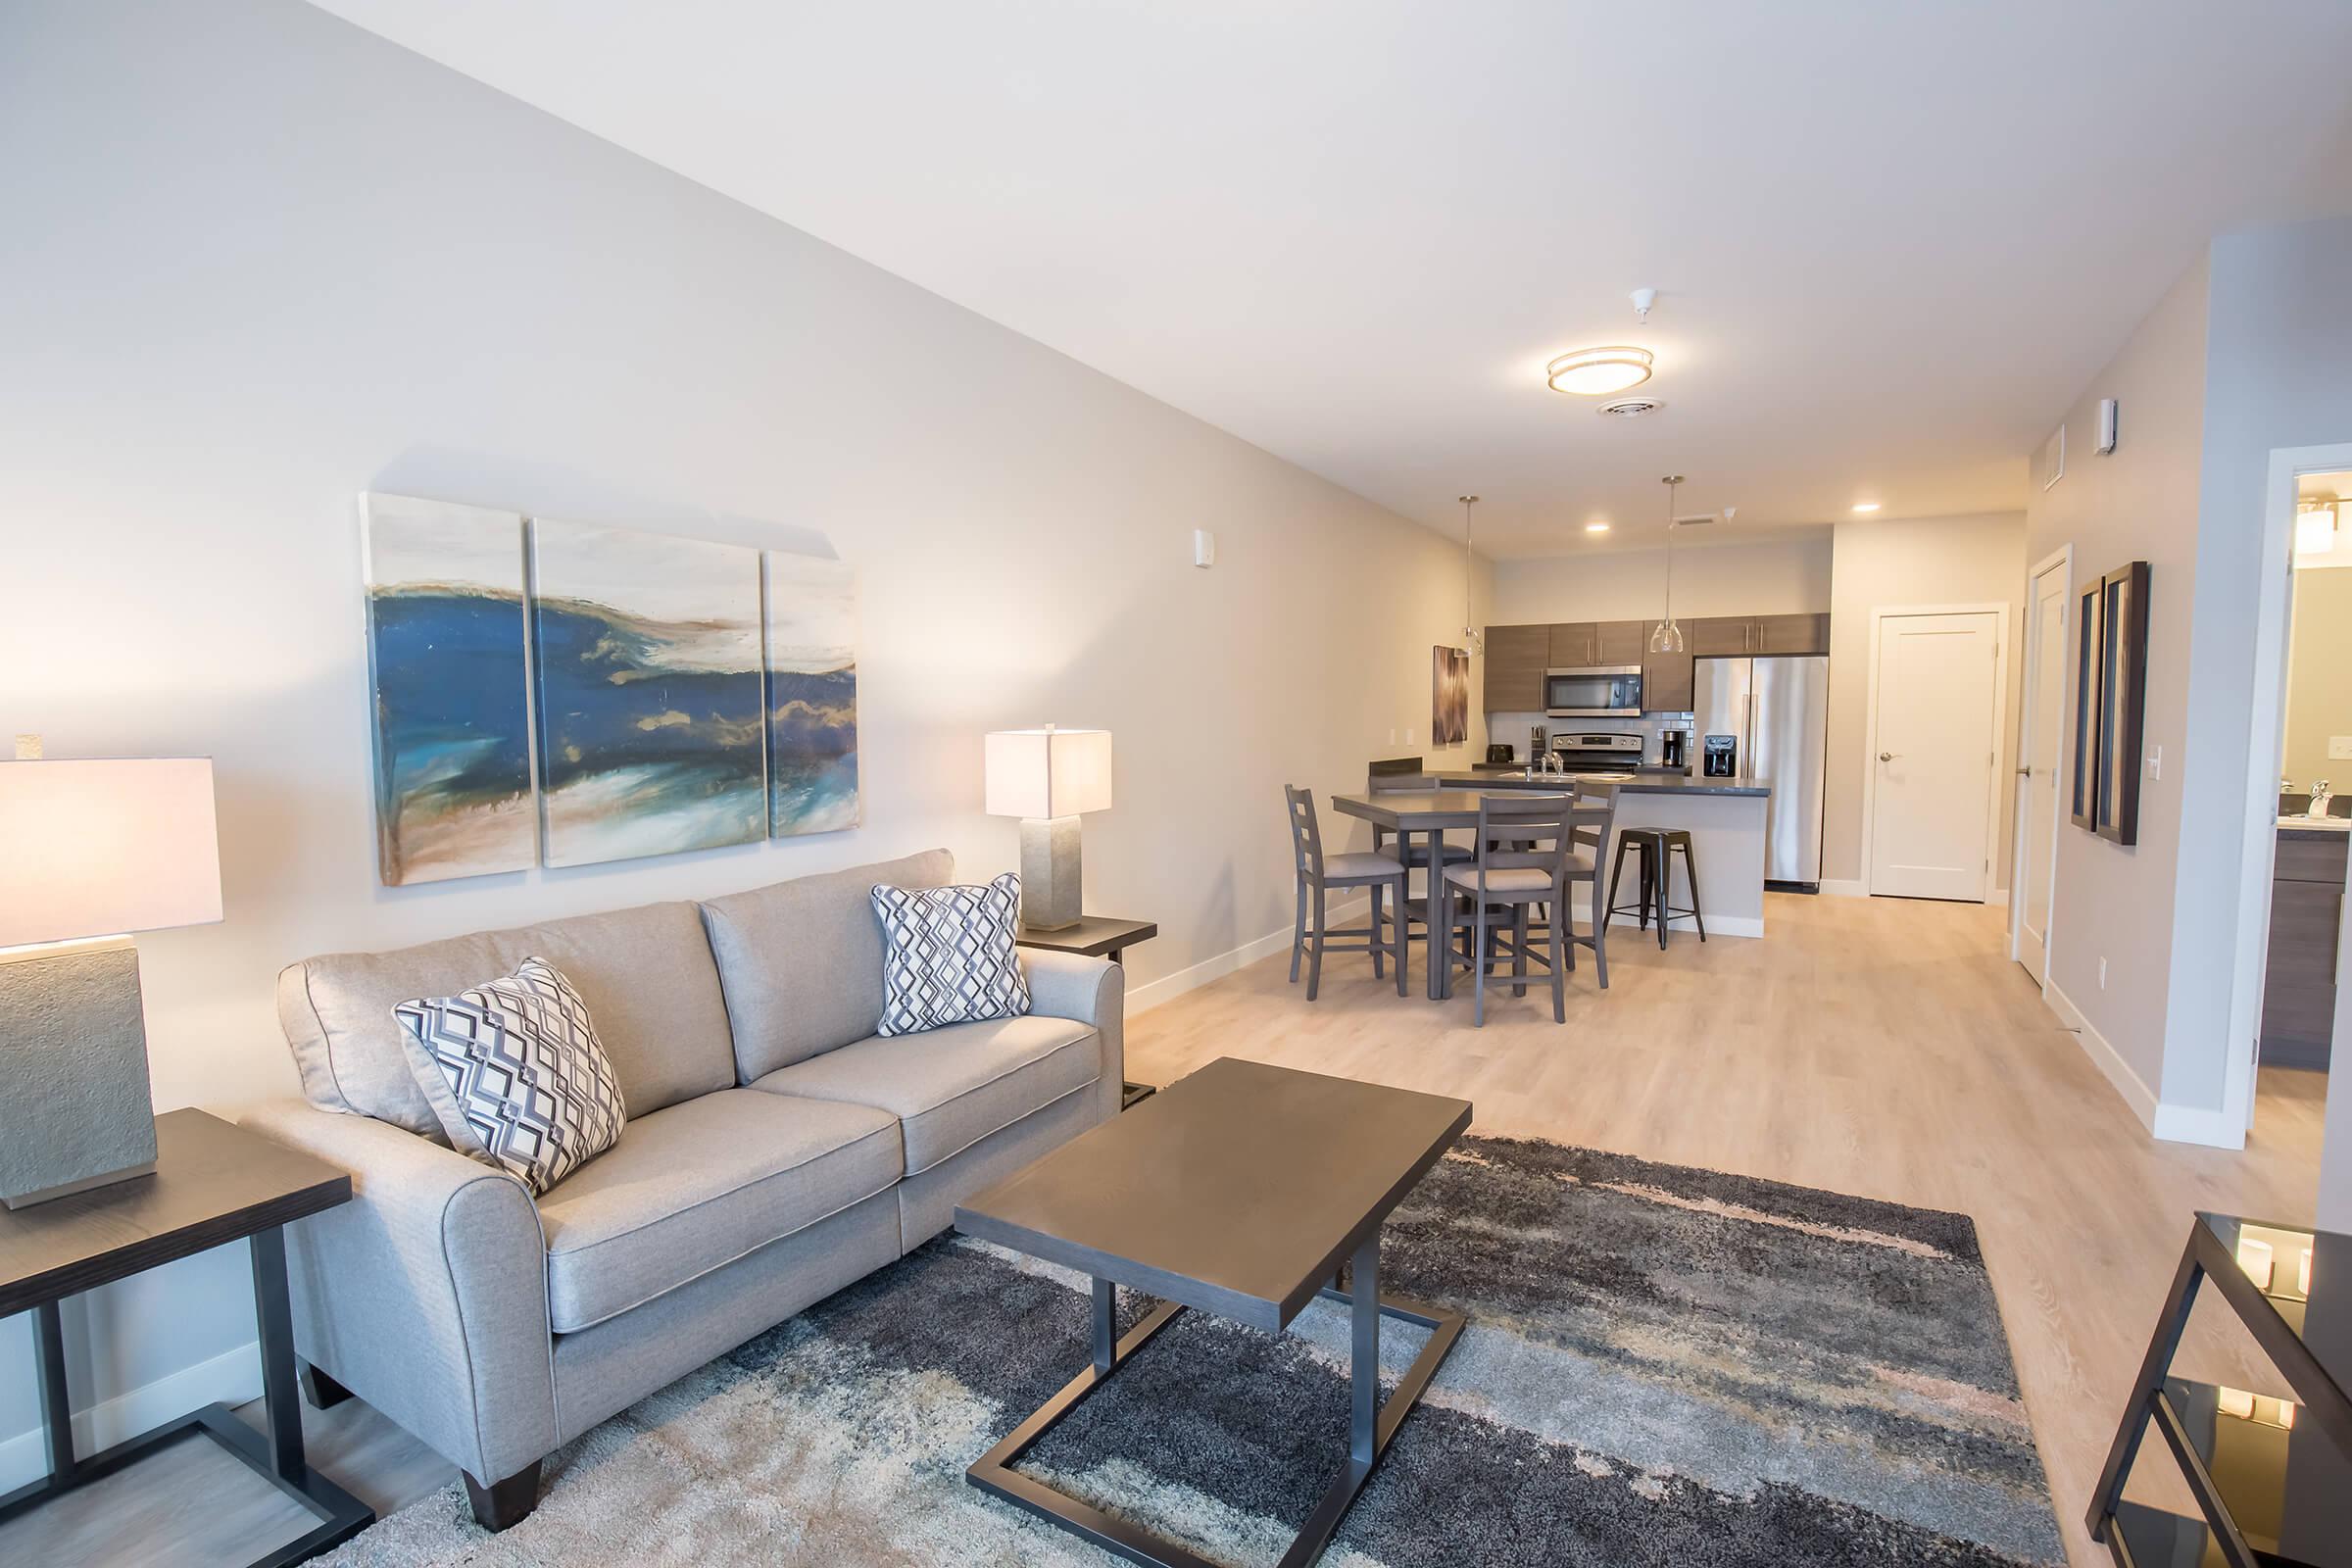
(2321, 795)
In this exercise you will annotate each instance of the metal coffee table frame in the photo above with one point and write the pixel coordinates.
(1372, 1424)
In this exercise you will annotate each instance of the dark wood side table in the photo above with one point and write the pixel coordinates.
(1098, 935)
(213, 1183)
(2272, 1478)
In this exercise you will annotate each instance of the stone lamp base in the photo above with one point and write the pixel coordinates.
(77, 1111)
(1049, 872)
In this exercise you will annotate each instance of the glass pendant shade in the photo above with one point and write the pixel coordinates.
(1666, 637)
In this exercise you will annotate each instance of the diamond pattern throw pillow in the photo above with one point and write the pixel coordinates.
(949, 954)
(516, 1073)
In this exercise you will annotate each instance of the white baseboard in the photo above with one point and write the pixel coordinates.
(2194, 1124)
(2104, 1057)
(1998, 898)
(1841, 888)
(2172, 1123)
(1168, 987)
(230, 1378)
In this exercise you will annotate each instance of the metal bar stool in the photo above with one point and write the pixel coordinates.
(1319, 873)
(1654, 896)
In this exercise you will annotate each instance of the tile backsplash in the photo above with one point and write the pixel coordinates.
(1511, 729)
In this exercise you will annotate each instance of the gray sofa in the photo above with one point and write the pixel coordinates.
(776, 1150)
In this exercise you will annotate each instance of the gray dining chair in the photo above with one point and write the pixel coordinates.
(1318, 874)
(1525, 848)
(1399, 776)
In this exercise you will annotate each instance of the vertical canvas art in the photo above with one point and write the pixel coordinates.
(812, 695)
(1449, 696)
(651, 730)
(451, 689)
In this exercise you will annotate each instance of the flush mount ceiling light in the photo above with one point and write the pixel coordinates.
(1866, 506)
(1597, 373)
(1596, 527)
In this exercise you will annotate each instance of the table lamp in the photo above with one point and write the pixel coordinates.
(89, 852)
(1045, 777)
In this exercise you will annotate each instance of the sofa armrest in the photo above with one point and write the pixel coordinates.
(426, 1293)
(1063, 984)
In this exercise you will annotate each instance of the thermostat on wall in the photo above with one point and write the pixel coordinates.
(1204, 548)
(2106, 441)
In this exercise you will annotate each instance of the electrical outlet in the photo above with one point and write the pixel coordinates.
(2339, 746)
(2156, 762)
(2102, 974)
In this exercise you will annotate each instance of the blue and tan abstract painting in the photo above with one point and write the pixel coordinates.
(651, 728)
(445, 662)
(812, 695)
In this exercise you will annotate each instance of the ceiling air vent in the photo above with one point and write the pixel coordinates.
(1632, 408)
(1697, 520)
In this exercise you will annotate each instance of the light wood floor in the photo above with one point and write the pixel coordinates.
(1880, 1047)
(1876, 1047)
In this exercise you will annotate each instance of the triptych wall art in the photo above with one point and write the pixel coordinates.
(687, 695)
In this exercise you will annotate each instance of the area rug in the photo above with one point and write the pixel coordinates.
(1663, 1366)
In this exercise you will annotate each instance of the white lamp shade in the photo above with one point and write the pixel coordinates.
(1047, 772)
(91, 849)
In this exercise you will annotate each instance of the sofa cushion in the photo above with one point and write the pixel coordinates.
(646, 974)
(950, 955)
(802, 960)
(699, 1185)
(953, 1087)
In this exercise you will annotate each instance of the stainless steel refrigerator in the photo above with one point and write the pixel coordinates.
(1774, 712)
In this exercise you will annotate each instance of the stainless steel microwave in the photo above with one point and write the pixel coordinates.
(1606, 691)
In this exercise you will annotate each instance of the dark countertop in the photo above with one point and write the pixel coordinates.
(1647, 782)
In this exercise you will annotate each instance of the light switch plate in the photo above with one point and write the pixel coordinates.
(2339, 747)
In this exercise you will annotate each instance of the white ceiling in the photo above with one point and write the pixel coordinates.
(1891, 241)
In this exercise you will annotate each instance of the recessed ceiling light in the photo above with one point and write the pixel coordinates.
(1866, 506)
(1596, 527)
(1595, 372)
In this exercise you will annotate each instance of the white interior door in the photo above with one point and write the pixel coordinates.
(2037, 814)
(1932, 796)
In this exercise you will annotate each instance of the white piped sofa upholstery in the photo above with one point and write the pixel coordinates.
(776, 1150)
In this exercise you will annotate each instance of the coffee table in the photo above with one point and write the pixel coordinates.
(1244, 1191)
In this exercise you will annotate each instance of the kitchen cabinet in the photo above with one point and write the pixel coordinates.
(1619, 642)
(1516, 658)
(1791, 634)
(1666, 679)
(1713, 635)
(1572, 645)
(2298, 992)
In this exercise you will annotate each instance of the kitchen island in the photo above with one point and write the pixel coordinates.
(1725, 817)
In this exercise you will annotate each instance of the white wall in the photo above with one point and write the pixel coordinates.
(260, 261)
(2138, 502)
(1773, 576)
(2246, 353)
(1908, 564)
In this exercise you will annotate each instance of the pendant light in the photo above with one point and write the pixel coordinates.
(1666, 637)
(1473, 643)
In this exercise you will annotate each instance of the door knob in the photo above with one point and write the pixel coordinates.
(1888, 757)
(2025, 772)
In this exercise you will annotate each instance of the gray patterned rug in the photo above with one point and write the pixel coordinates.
(1663, 1365)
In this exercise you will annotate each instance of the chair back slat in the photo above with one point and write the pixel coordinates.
(1593, 828)
(1521, 832)
(1306, 838)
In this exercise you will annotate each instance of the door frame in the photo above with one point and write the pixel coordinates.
(1880, 615)
(2266, 733)
(2063, 556)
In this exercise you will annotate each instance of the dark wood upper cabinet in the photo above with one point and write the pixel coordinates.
(1572, 645)
(1619, 642)
(1792, 634)
(1516, 658)
(1667, 685)
(1710, 636)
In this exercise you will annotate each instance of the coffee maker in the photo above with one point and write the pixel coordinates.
(1674, 748)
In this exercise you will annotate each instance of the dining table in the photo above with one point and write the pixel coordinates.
(1426, 815)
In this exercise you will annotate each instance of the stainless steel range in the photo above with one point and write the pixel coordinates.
(1598, 750)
